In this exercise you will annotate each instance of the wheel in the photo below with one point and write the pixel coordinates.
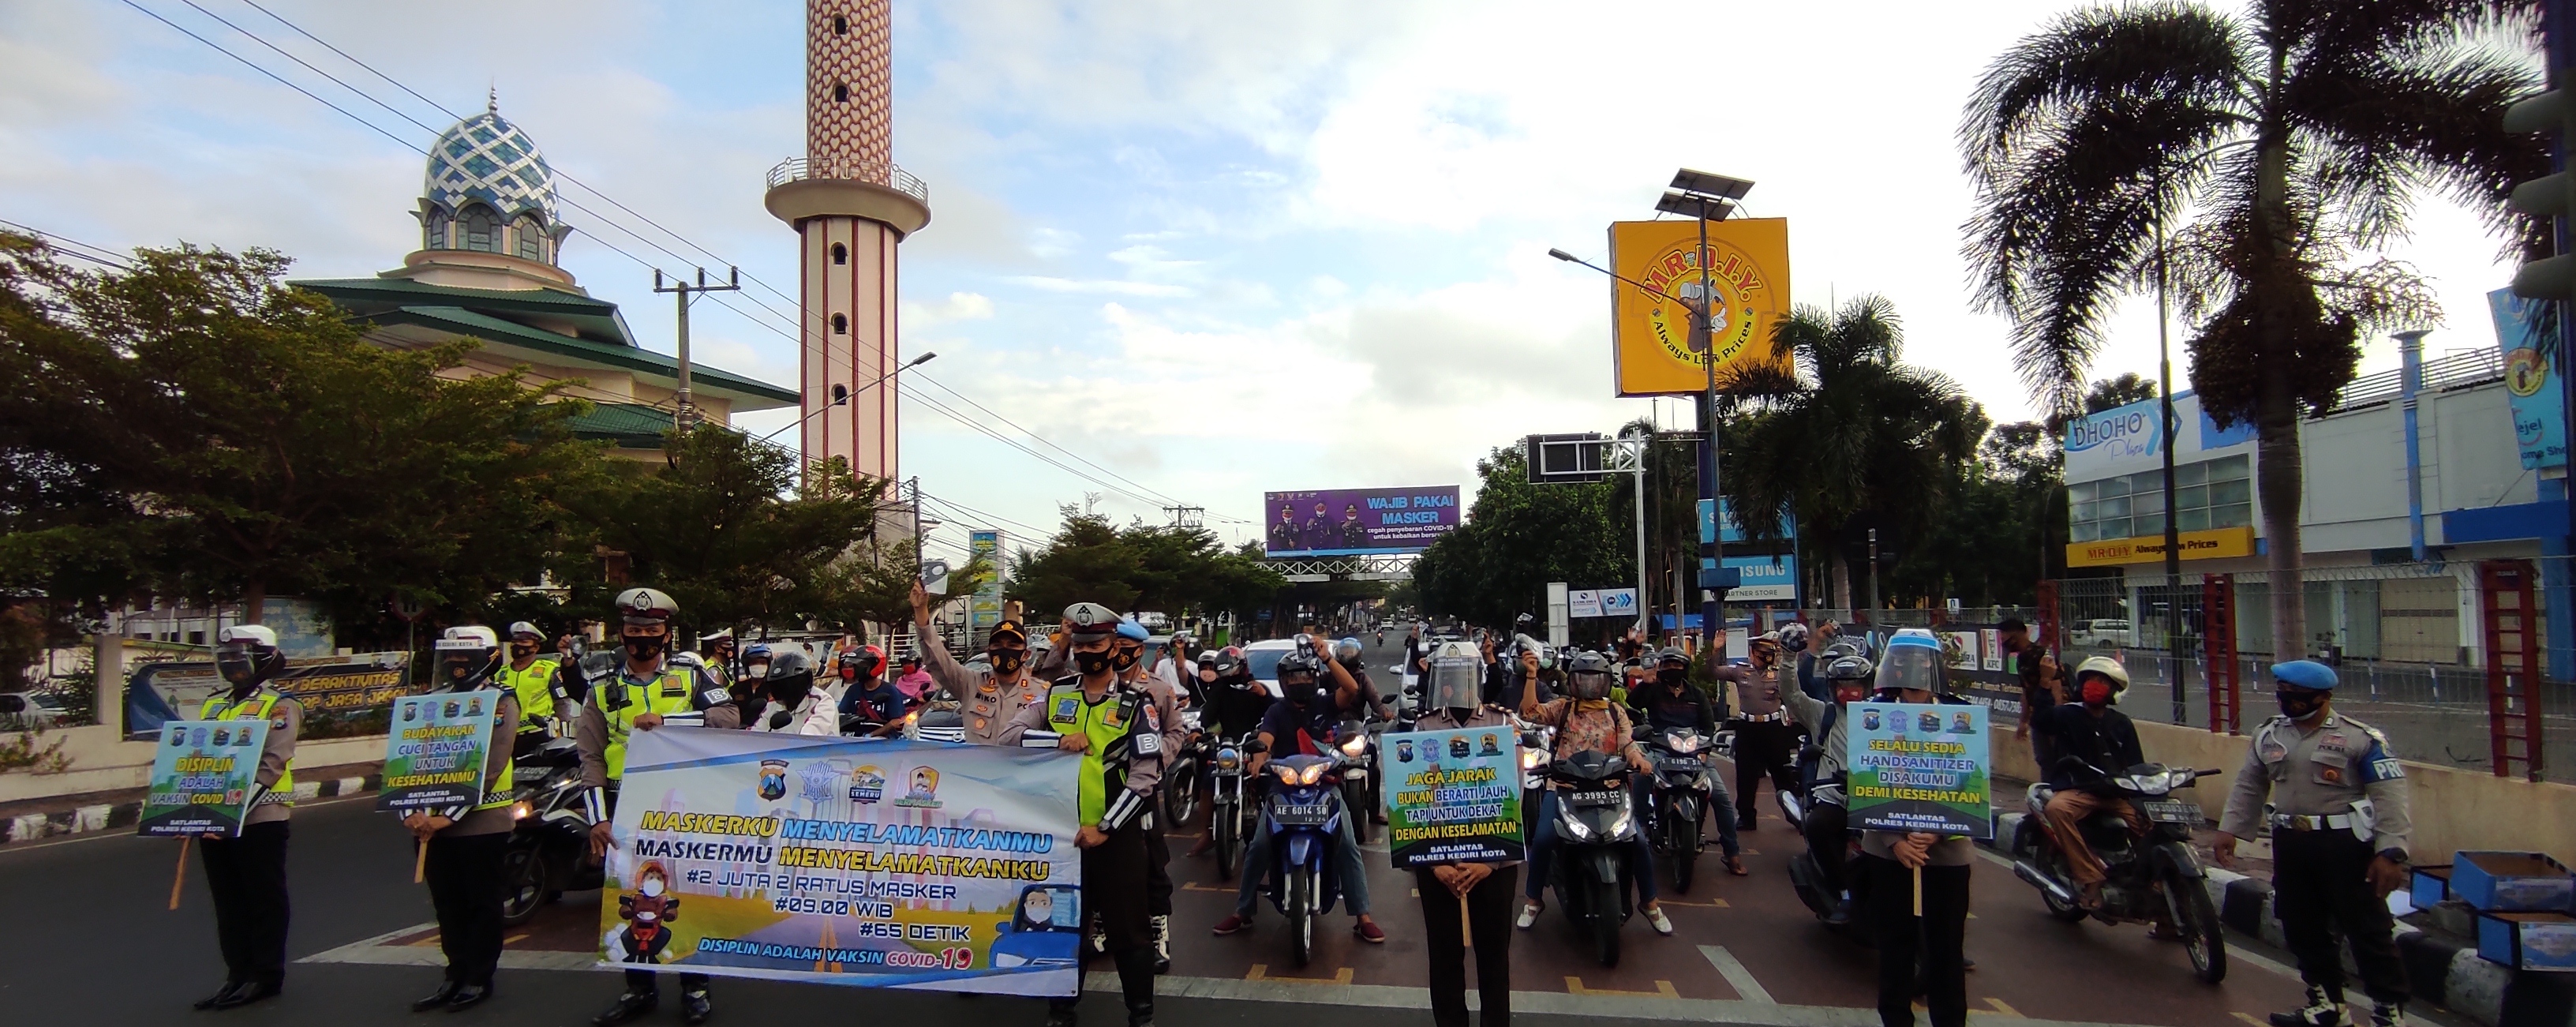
(2045, 855)
(2197, 920)
(1605, 922)
(524, 884)
(1353, 794)
(1300, 887)
(1221, 824)
(1181, 802)
(1685, 855)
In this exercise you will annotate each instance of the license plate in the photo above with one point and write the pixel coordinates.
(1305, 812)
(1589, 799)
(2174, 813)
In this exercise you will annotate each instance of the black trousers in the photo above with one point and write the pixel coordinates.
(1115, 884)
(1935, 941)
(1828, 834)
(1490, 908)
(464, 875)
(2319, 889)
(1763, 747)
(247, 877)
(1158, 872)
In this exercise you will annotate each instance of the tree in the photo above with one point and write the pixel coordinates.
(194, 427)
(1141, 567)
(2108, 393)
(2276, 149)
(1517, 537)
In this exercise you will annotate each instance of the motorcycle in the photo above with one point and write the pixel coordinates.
(1806, 872)
(1595, 821)
(1181, 778)
(1537, 740)
(549, 848)
(1681, 794)
(1358, 773)
(1303, 815)
(1226, 813)
(2158, 873)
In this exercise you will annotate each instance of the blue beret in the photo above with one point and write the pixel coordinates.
(2305, 674)
(1129, 629)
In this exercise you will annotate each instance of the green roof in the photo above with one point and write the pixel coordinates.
(602, 339)
(625, 425)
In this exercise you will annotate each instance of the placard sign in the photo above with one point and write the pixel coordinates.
(1455, 796)
(1919, 768)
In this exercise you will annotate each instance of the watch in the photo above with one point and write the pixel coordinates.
(2397, 856)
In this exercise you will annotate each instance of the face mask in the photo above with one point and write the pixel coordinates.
(652, 887)
(522, 650)
(755, 670)
(1090, 663)
(2300, 705)
(1007, 661)
(1847, 696)
(1671, 675)
(849, 673)
(788, 691)
(1125, 659)
(2096, 692)
(644, 647)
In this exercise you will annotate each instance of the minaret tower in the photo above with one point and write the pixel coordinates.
(851, 206)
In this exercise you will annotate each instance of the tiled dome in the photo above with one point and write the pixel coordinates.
(485, 158)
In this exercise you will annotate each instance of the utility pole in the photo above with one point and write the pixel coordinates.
(687, 415)
(1873, 573)
(1187, 516)
(2173, 528)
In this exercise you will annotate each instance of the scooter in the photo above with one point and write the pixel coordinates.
(1358, 773)
(1595, 821)
(1806, 872)
(1681, 793)
(1181, 778)
(549, 849)
(1303, 815)
(1226, 815)
(2143, 877)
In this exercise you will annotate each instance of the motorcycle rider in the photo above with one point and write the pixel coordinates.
(1302, 723)
(467, 841)
(868, 701)
(1911, 673)
(790, 700)
(246, 873)
(1235, 706)
(1766, 739)
(1453, 691)
(2340, 830)
(1827, 825)
(1669, 702)
(1585, 719)
(992, 695)
(1114, 729)
(646, 691)
(2093, 741)
(1365, 702)
(537, 683)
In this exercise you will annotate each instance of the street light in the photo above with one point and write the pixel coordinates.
(841, 393)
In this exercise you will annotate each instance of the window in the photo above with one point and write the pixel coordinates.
(433, 233)
(840, 25)
(840, 325)
(532, 239)
(2208, 494)
(840, 254)
(840, 92)
(481, 228)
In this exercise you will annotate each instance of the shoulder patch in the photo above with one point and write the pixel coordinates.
(715, 697)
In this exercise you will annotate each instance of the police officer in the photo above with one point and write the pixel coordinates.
(646, 692)
(1127, 657)
(466, 841)
(715, 653)
(991, 696)
(1766, 736)
(2339, 842)
(1452, 689)
(246, 874)
(1118, 733)
(537, 682)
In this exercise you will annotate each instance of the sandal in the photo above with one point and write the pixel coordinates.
(1735, 865)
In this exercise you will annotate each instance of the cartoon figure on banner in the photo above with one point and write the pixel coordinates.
(474, 707)
(223, 737)
(411, 712)
(773, 779)
(648, 912)
(1959, 725)
(925, 789)
(452, 710)
(1493, 746)
(1404, 750)
(1458, 748)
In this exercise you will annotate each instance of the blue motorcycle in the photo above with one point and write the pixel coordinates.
(1303, 814)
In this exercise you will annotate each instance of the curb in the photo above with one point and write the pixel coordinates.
(2441, 971)
(108, 816)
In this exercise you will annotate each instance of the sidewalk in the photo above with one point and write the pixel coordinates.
(52, 816)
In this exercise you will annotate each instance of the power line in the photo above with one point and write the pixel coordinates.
(1164, 499)
(996, 436)
(64, 244)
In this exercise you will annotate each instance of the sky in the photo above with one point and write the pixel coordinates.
(1216, 249)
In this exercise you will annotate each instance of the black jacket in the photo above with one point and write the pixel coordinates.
(2108, 744)
(1657, 706)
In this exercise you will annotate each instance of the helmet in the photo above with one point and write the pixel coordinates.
(757, 653)
(2106, 668)
(1347, 651)
(247, 655)
(1297, 663)
(1793, 637)
(466, 655)
(528, 628)
(1228, 662)
(1589, 675)
(646, 606)
(1090, 622)
(1912, 661)
(1842, 649)
(1130, 630)
(1850, 668)
(1672, 654)
(790, 675)
(1457, 677)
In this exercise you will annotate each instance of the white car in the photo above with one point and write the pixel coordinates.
(2102, 632)
(1262, 658)
(30, 711)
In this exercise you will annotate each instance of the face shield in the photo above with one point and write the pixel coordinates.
(459, 663)
(1457, 683)
(1912, 668)
(1588, 685)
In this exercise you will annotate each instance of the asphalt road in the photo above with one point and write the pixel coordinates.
(91, 943)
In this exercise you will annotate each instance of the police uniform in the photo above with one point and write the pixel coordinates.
(2339, 798)
(1120, 767)
(540, 694)
(463, 869)
(1166, 711)
(989, 702)
(246, 874)
(608, 721)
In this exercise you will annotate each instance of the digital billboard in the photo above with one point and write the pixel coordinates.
(1352, 522)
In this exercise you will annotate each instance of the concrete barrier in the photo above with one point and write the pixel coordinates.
(101, 761)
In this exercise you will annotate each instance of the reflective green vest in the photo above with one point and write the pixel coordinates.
(620, 702)
(535, 688)
(1107, 724)
(258, 706)
(501, 791)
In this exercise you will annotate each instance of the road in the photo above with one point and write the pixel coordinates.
(91, 943)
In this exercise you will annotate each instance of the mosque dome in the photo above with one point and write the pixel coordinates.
(488, 189)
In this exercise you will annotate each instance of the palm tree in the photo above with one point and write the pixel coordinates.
(1849, 437)
(2278, 149)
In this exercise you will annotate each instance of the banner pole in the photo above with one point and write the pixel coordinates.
(181, 875)
(1918, 893)
(1466, 927)
(420, 865)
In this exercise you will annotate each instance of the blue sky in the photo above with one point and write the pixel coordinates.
(1217, 248)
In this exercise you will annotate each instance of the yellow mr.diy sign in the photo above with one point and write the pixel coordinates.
(1651, 311)
(2212, 544)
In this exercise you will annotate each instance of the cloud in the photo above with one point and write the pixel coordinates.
(959, 306)
(1051, 283)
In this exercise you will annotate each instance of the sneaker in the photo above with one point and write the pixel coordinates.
(2321, 1010)
(696, 1007)
(1663, 924)
(2388, 1014)
(1235, 924)
(630, 1006)
(1528, 917)
(1368, 932)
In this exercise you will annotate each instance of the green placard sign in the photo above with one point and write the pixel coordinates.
(435, 748)
(1452, 796)
(202, 775)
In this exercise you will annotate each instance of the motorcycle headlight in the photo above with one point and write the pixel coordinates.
(1575, 828)
(1311, 774)
(1620, 826)
(1227, 760)
(1685, 744)
(1287, 775)
(1354, 747)
(520, 810)
(1531, 758)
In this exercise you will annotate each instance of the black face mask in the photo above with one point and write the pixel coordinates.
(1672, 675)
(1125, 659)
(1007, 661)
(1090, 663)
(522, 650)
(2299, 706)
(790, 691)
(644, 647)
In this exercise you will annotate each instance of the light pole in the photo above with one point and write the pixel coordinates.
(841, 394)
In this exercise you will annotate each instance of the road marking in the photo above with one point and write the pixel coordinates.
(2000, 1007)
(1663, 989)
(1737, 977)
(1710, 904)
(1195, 886)
(1261, 972)
(514, 939)
(2249, 1018)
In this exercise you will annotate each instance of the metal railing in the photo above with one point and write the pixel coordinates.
(2451, 372)
(798, 169)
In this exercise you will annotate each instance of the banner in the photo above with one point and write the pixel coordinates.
(985, 609)
(1583, 602)
(435, 751)
(202, 775)
(1652, 351)
(1619, 602)
(1352, 522)
(2530, 380)
(1919, 768)
(1457, 796)
(343, 696)
(884, 864)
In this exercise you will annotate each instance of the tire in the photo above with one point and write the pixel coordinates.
(1301, 913)
(2197, 920)
(1685, 855)
(1221, 823)
(1182, 802)
(2063, 912)
(1605, 922)
(1353, 794)
(524, 884)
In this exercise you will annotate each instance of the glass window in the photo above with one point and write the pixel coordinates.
(2114, 487)
(433, 236)
(480, 229)
(2113, 527)
(2148, 502)
(2233, 515)
(2084, 511)
(2115, 507)
(2148, 524)
(531, 239)
(2191, 497)
(2192, 519)
(2236, 467)
(2082, 491)
(840, 324)
(2080, 531)
(2190, 474)
(840, 254)
(2222, 493)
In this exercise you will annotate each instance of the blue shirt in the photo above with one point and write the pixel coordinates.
(1299, 731)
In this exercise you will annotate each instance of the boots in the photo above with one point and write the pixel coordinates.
(1163, 944)
(1060, 1012)
(696, 1007)
(2321, 1010)
(630, 1006)
(1136, 983)
(2388, 1014)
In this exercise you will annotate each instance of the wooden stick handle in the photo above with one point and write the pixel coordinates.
(420, 867)
(1466, 927)
(1918, 892)
(180, 876)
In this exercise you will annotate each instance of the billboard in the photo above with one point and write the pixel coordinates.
(1765, 579)
(1748, 263)
(2131, 438)
(2530, 382)
(1351, 522)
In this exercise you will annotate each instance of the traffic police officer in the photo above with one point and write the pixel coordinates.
(1118, 733)
(1128, 659)
(246, 873)
(467, 841)
(2339, 842)
(991, 696)
(647, 692)
(537, 682)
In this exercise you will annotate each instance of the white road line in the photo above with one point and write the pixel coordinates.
(1737, 977)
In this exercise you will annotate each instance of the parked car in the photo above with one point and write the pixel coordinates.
(2105, 631)
(29, 711)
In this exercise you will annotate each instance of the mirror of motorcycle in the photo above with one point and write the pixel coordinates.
(1643, 734)
(1254, 746)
